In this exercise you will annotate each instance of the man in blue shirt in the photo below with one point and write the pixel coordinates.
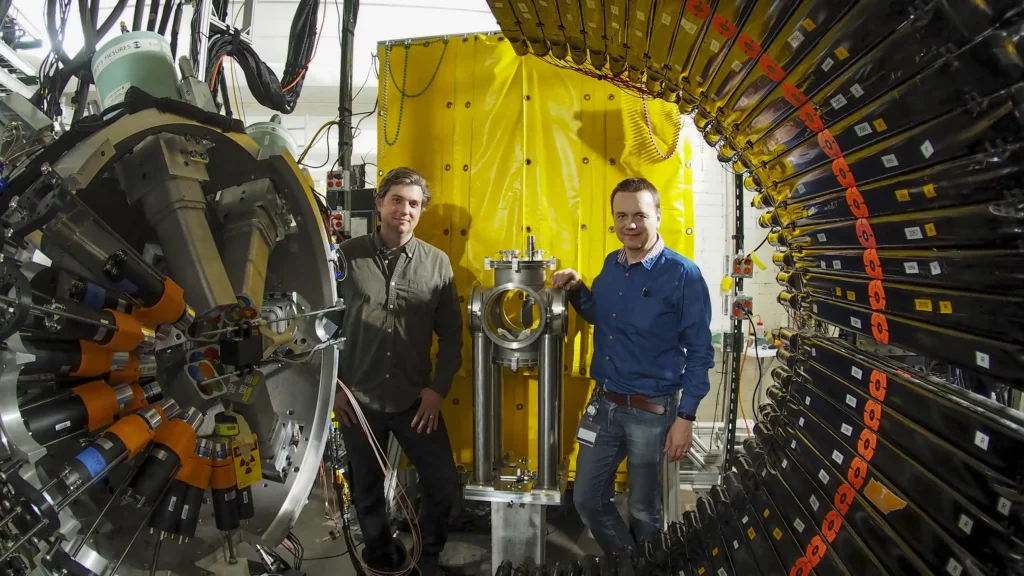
(651, 312)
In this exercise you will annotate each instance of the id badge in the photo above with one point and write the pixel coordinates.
(587, 433)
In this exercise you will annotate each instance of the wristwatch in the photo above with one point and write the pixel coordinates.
(685, 416)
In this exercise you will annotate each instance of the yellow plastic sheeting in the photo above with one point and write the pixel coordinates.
(515, 146)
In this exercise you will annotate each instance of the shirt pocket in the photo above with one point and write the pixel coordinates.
(651, 312)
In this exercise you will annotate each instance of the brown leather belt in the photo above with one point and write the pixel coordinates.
(638, 401)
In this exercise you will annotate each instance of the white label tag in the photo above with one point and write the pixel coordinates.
(784, 462)
(851, 401)
(847, 430)
(856, 90)
(890, 161)
(827, 64)
(1003, 506)
(588, 436)
(814, 502)
(926, 149)
(821, 237)
(838, 102)
(965, 524)
(735, 545)
(981, 440)
(801, 421)
(174, 500)
(792, 444)
(913, 233)
(856, 372)
(689, 26)
(798, 525)
(524, 11)
(736, 65)
(745, 519)
(184, 511)
(722, 572)
(807, 400)
(823, 477)
(715, 46)
(910, 267)
(862, 129)
(666, 19)
(837, 264)
(823, 264)
(613, 7)
(62, 426)
(641, 16)
(837, 457)
(981, 359)
(855, 322)
(954, 568)
(795, 38)
(814, 308)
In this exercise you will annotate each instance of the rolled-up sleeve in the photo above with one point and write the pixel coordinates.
(695, 338)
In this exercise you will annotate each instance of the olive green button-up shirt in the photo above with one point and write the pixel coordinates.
(395, 301)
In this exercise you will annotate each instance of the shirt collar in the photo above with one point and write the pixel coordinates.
(409, 248)
(649, 259)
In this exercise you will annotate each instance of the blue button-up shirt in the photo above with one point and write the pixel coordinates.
(652, 326)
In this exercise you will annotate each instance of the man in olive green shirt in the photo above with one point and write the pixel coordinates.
(398, 292)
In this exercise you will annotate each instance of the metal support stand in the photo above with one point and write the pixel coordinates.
(737, 334)
(348, 31)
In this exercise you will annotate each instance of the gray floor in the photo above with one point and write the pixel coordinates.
(466, 552)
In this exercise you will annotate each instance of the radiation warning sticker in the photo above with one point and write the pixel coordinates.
(248, 469)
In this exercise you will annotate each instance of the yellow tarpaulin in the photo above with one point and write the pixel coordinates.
(515, 146)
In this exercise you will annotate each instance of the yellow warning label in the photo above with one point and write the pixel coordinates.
(700, 571)
(839, 291)
(778, 534)
(841, 53)
(945, 307)
(879, 124)
(850, 295)
(929, 229)
(248, 469)
(714, 551)
(903, 195)
(809, 24)
(751, 533)
(929, 190)
(924, 305)
(766, 513)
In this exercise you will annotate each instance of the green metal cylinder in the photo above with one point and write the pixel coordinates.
(138, 58)
(273, 137)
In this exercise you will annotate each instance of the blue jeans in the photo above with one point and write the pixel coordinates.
(625, 432)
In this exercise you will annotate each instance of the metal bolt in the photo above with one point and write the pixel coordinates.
(463, 232)
(528, 162)
(689, 231)
(611, 161)
(445, 231)
(468, 104)
(527, 97)
(688, 164)
(448, 105)
(447, 167)
(45, 168)
(586, 96)
(583, 227)
(611, 229)
(465, 167)
(586, 160)
(455, 401)
(611, 96)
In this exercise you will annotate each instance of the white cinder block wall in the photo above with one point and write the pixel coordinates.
(713, 193)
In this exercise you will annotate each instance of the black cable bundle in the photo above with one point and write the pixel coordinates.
(262, 81)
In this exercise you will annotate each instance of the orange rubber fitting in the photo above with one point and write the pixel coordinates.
(95, 359)
(178, 436)
(128, 335)
(222, 475)
(167, 311)
(100, 403)
(134, 431)
(130, 373)
(198, 472)
(138, 400)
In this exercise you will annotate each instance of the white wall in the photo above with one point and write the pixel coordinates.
(713, 195)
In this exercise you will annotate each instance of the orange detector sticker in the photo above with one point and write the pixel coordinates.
(855, 201)
(879, 383)
(865, 234)
(872, 265)
(880, 327)
(876, 295)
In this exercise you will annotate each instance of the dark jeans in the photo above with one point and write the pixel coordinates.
(625, 432)
(431, 454)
